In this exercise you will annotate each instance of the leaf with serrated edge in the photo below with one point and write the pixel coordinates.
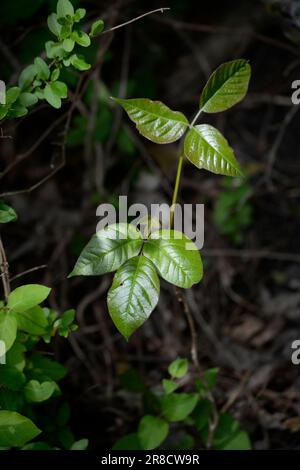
(133, 295)
(108, 249)
(207, 148)
(175, 256)
(154, 120)
(226, 87)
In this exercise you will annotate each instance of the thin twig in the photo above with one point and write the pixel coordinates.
(161, 10)
(28, 271)
(4, 271)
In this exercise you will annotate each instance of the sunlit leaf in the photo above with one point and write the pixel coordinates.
(176, 257)
(154, 120)
(227, 86)
(15, 429)
(207, 148)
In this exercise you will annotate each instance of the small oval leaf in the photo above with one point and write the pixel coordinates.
(176, 257)
(207, 148)
(227, 86)
(133, 295)
(154, 120)
(152, 431)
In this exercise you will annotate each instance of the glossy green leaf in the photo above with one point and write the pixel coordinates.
(81, 38)
(133, 295)
(177, 406)
(8, 329)
(227, 86)
(108, 250)
(37, 392)
(207, 148)
(51, 97)
(178, 368)
(27, 296)
(176, 257)
(53, 24)
(154, 120)
(15, 429)
(64, 8)
(7, 213)
(97, 27)
(32, 321)
(152, 431)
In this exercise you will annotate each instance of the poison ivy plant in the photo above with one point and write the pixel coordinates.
(40, 80)
(29, 378)
(168, 253)
(181, 420)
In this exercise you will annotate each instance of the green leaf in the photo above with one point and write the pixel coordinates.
(210, 381)
(128, 442)
(55, 74)
(229, 436)
(152, 431)
(80, 445)
(177, 406)
(11, 377)
(12, 94)
(206, 148)
(54, 25)
(8, 329)
(54, 49)
(240, 441)
(15, 429)
(27, 76)
(175, 256)
(32, 321)
(97, 28)
(17, 111)
(10, 400)
(27, 296)
(108, 249)
(43, 71)
(79, 14)
(178, 368)
(169, 386)
(81, 38)
(68, 44)
(79, 63)
(7, 213)
(37, 392)
(60, 89)
(42, 368)
(64, 8)
(51, 96)
(154, 120)
(227, 86)
(28, 99)
(133, 295)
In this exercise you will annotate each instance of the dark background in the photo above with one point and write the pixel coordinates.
(247, 306)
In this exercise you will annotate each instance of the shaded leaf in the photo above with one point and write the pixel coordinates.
(178, 368)
(97, 27)
(15, 429)
(177, 406)
(8, 329)
(152, 431)
(133, 295)
(7, 213)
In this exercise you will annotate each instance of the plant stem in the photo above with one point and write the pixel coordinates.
(4, 271)
(195, 118)
(176, 188)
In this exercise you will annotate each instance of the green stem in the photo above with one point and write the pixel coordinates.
(195, 118)
(176, 188)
